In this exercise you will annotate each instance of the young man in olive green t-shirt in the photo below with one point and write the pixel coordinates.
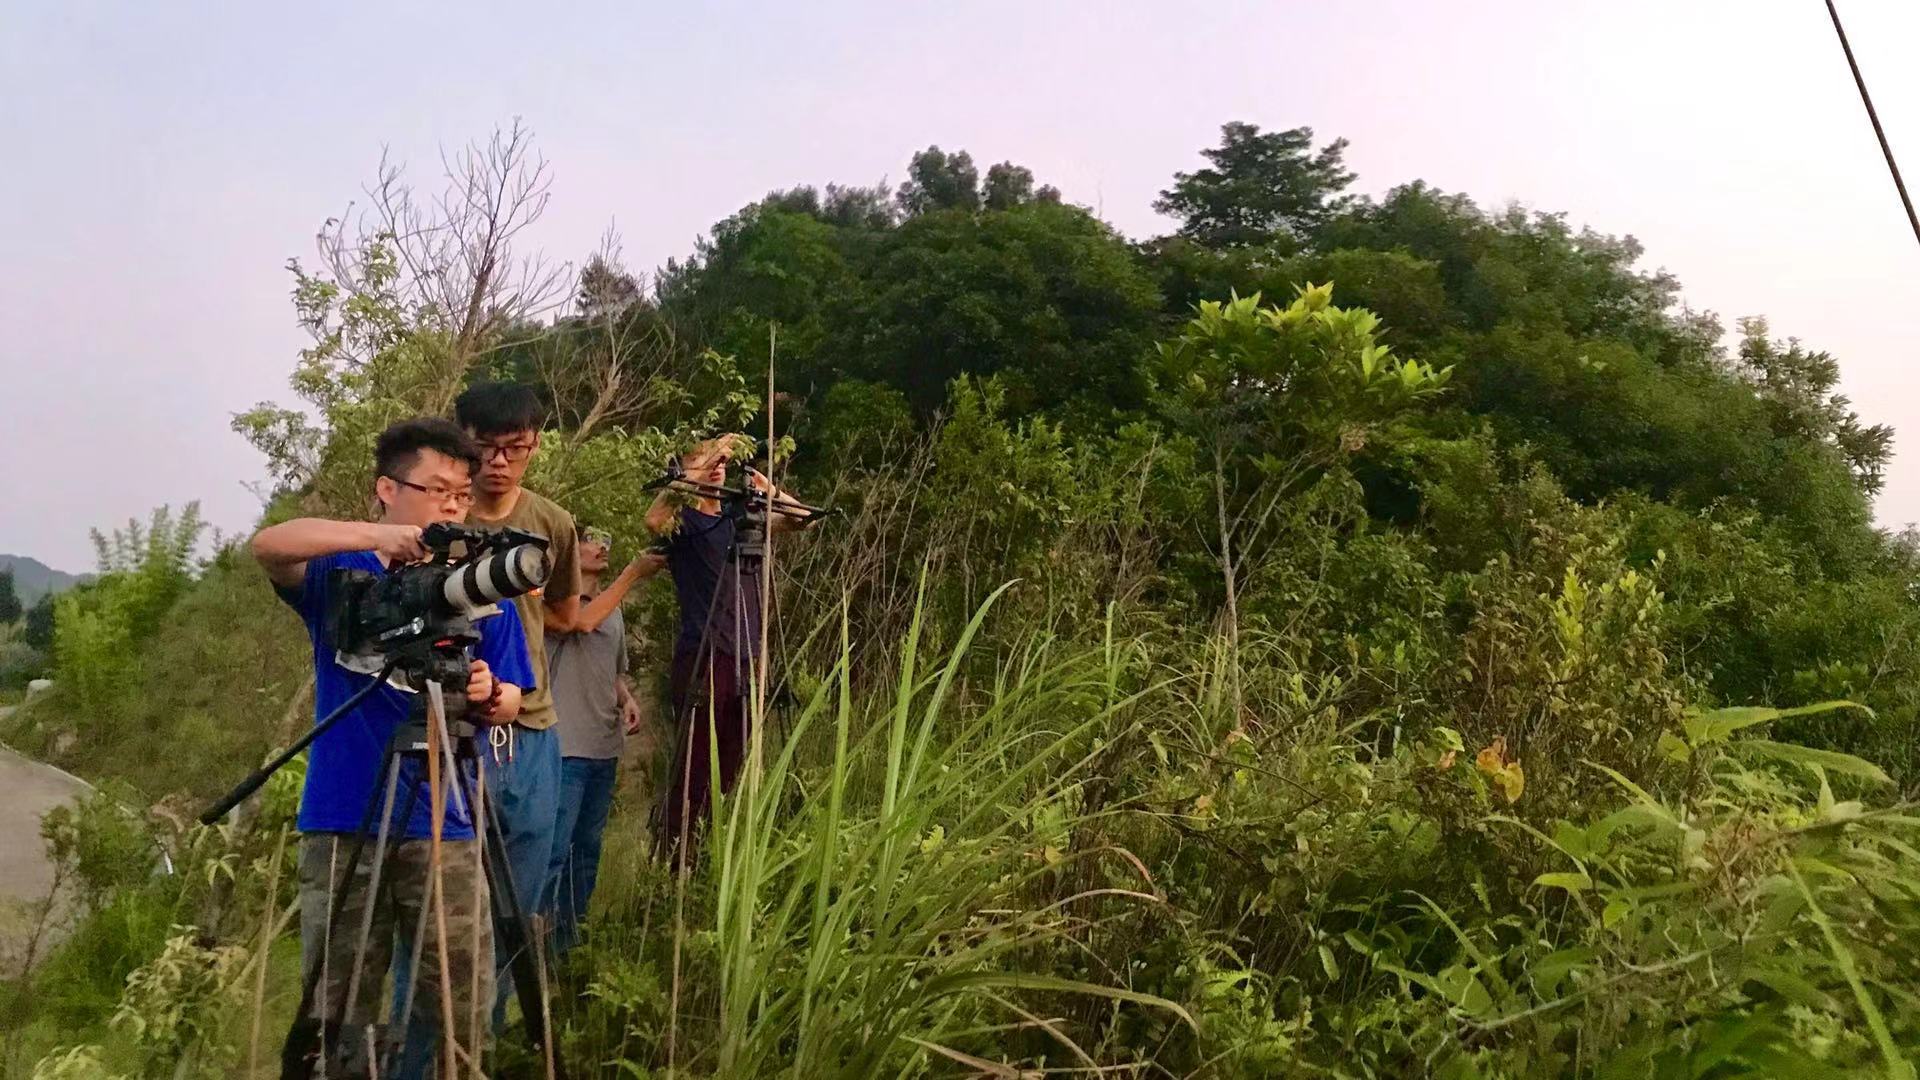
(523, 767)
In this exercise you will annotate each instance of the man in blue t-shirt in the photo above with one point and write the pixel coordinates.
(424, 472)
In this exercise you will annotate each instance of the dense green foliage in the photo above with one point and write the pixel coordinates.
(1347, 636)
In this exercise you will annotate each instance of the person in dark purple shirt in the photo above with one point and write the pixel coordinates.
(717, 647)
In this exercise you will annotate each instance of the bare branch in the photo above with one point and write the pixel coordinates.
(447, 262)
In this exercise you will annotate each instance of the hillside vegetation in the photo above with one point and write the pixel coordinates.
(1342, 637)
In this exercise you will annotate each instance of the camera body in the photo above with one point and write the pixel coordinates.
(422, 617)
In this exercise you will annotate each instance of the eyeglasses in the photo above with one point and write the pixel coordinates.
(509, 451)
(458, 498)
(601, 537)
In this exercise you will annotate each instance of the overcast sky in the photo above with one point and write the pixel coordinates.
(163, 161)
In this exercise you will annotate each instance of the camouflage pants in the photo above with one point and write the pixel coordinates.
(394, 915)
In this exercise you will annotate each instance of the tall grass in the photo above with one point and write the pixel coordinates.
(892, 888)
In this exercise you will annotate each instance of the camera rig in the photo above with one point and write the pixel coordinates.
(412, 625)
(423, 616)
(746, 505)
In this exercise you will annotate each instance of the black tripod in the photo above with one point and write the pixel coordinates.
(411, 743)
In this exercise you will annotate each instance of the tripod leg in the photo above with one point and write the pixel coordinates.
(418, 1016)
(309, 1038)
(402, 1019)
(373, 884)
(478, 998)
(520, 941)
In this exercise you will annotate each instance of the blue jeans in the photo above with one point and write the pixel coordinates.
(524, 795)
(586, 795)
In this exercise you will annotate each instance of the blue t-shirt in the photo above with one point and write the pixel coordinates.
(343, 767)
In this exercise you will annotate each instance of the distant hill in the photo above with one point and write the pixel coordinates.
(31, 577)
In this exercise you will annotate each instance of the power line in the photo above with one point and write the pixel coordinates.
(1873, 116)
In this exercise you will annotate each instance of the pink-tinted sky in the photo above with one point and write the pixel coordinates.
(163, 161)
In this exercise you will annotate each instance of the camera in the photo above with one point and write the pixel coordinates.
(419, 619)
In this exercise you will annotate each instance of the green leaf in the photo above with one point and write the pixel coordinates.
(1722, 1040)
(1572, 839)
(1673, 747)
(1792, 987)
(1713, 727)
(1615, 910)
(1819, 868)
(1572, 882)
(1707, 728)
(1550, 971)
(970, 980)
(1328, 964)
(1464, 991)
(1159, 748)
(1831, 760)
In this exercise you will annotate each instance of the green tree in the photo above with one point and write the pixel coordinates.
(605, 289)
(937, 180)
(1008, 185)
(1261, 189)
(10, 609)
(38, 630)
(778, 261)
(1043, 294)
(1276, 396)
(1798, 386)
(856, 207)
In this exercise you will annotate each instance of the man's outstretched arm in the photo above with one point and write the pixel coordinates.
(283, 549)
(596, 611)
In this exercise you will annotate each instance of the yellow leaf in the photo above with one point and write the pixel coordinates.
(1501, 769)
(1512, 781)
(1493, 757)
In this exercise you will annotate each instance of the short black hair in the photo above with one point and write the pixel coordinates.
(397, 450)
(498, 408)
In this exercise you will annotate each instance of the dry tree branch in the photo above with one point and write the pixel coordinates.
(450, 267)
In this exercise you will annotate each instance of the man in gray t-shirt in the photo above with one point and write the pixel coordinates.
(594, 711)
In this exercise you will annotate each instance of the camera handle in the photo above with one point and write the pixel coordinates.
(259, 776)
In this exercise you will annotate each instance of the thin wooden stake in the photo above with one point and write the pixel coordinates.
(437, 799)
(266, 945)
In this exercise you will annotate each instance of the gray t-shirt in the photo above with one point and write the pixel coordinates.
(581, 670)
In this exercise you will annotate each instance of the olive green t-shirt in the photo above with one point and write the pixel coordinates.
(541, 515)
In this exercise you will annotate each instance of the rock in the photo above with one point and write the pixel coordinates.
(63, 743)
(38, 687)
